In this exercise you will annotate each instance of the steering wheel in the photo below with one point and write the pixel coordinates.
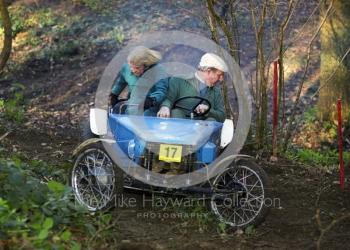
(118, 106)
(201, 100)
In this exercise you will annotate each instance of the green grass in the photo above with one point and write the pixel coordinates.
(326, 158)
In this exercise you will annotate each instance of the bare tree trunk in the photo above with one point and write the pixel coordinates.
(6, 21)
(215, 21)
(258, 20)
(212, 24)
(225, 29)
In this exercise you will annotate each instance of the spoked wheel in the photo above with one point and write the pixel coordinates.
(239, 195)
(94, 178)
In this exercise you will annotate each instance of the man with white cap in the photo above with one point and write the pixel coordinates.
(203, 83)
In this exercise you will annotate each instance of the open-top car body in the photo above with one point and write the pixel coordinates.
(168, 147)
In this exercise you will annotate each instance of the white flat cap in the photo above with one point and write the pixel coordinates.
(213, 61)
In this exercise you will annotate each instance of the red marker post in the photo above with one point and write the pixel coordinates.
(340, 146)
(275, 110)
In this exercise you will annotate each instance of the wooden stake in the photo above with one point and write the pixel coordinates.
(340, 146)
(275, 111)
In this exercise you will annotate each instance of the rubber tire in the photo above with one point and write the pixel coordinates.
(264, 179)
(119, 175)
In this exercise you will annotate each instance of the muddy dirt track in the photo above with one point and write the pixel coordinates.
(296, 196)
(296, 193)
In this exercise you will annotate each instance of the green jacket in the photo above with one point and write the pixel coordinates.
(179, 87)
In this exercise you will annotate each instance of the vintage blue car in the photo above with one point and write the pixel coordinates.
(146, 153)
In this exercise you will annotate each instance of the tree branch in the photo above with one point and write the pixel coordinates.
(223, 27)
(329, 227)
(303, 26)
(4, 135)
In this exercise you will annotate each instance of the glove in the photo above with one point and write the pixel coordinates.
(150, 102)
(201, 108)
(164, 112)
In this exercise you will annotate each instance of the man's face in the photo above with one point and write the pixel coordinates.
(136, 69)
(213, 77)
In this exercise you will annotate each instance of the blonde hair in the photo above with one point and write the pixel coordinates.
(143, 56)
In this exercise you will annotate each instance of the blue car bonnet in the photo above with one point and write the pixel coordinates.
(160, 130)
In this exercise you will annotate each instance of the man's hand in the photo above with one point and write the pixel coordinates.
(164, 112)
(201, 108)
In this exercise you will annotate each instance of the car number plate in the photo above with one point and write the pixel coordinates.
(170, 153)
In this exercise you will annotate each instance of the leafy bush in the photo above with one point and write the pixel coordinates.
(41, 18)
(310, 115)
(117, 34)
(38, 212)
(23, 18)
(35, 214)
(13, 108)
(18, 17)
(101, 6)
